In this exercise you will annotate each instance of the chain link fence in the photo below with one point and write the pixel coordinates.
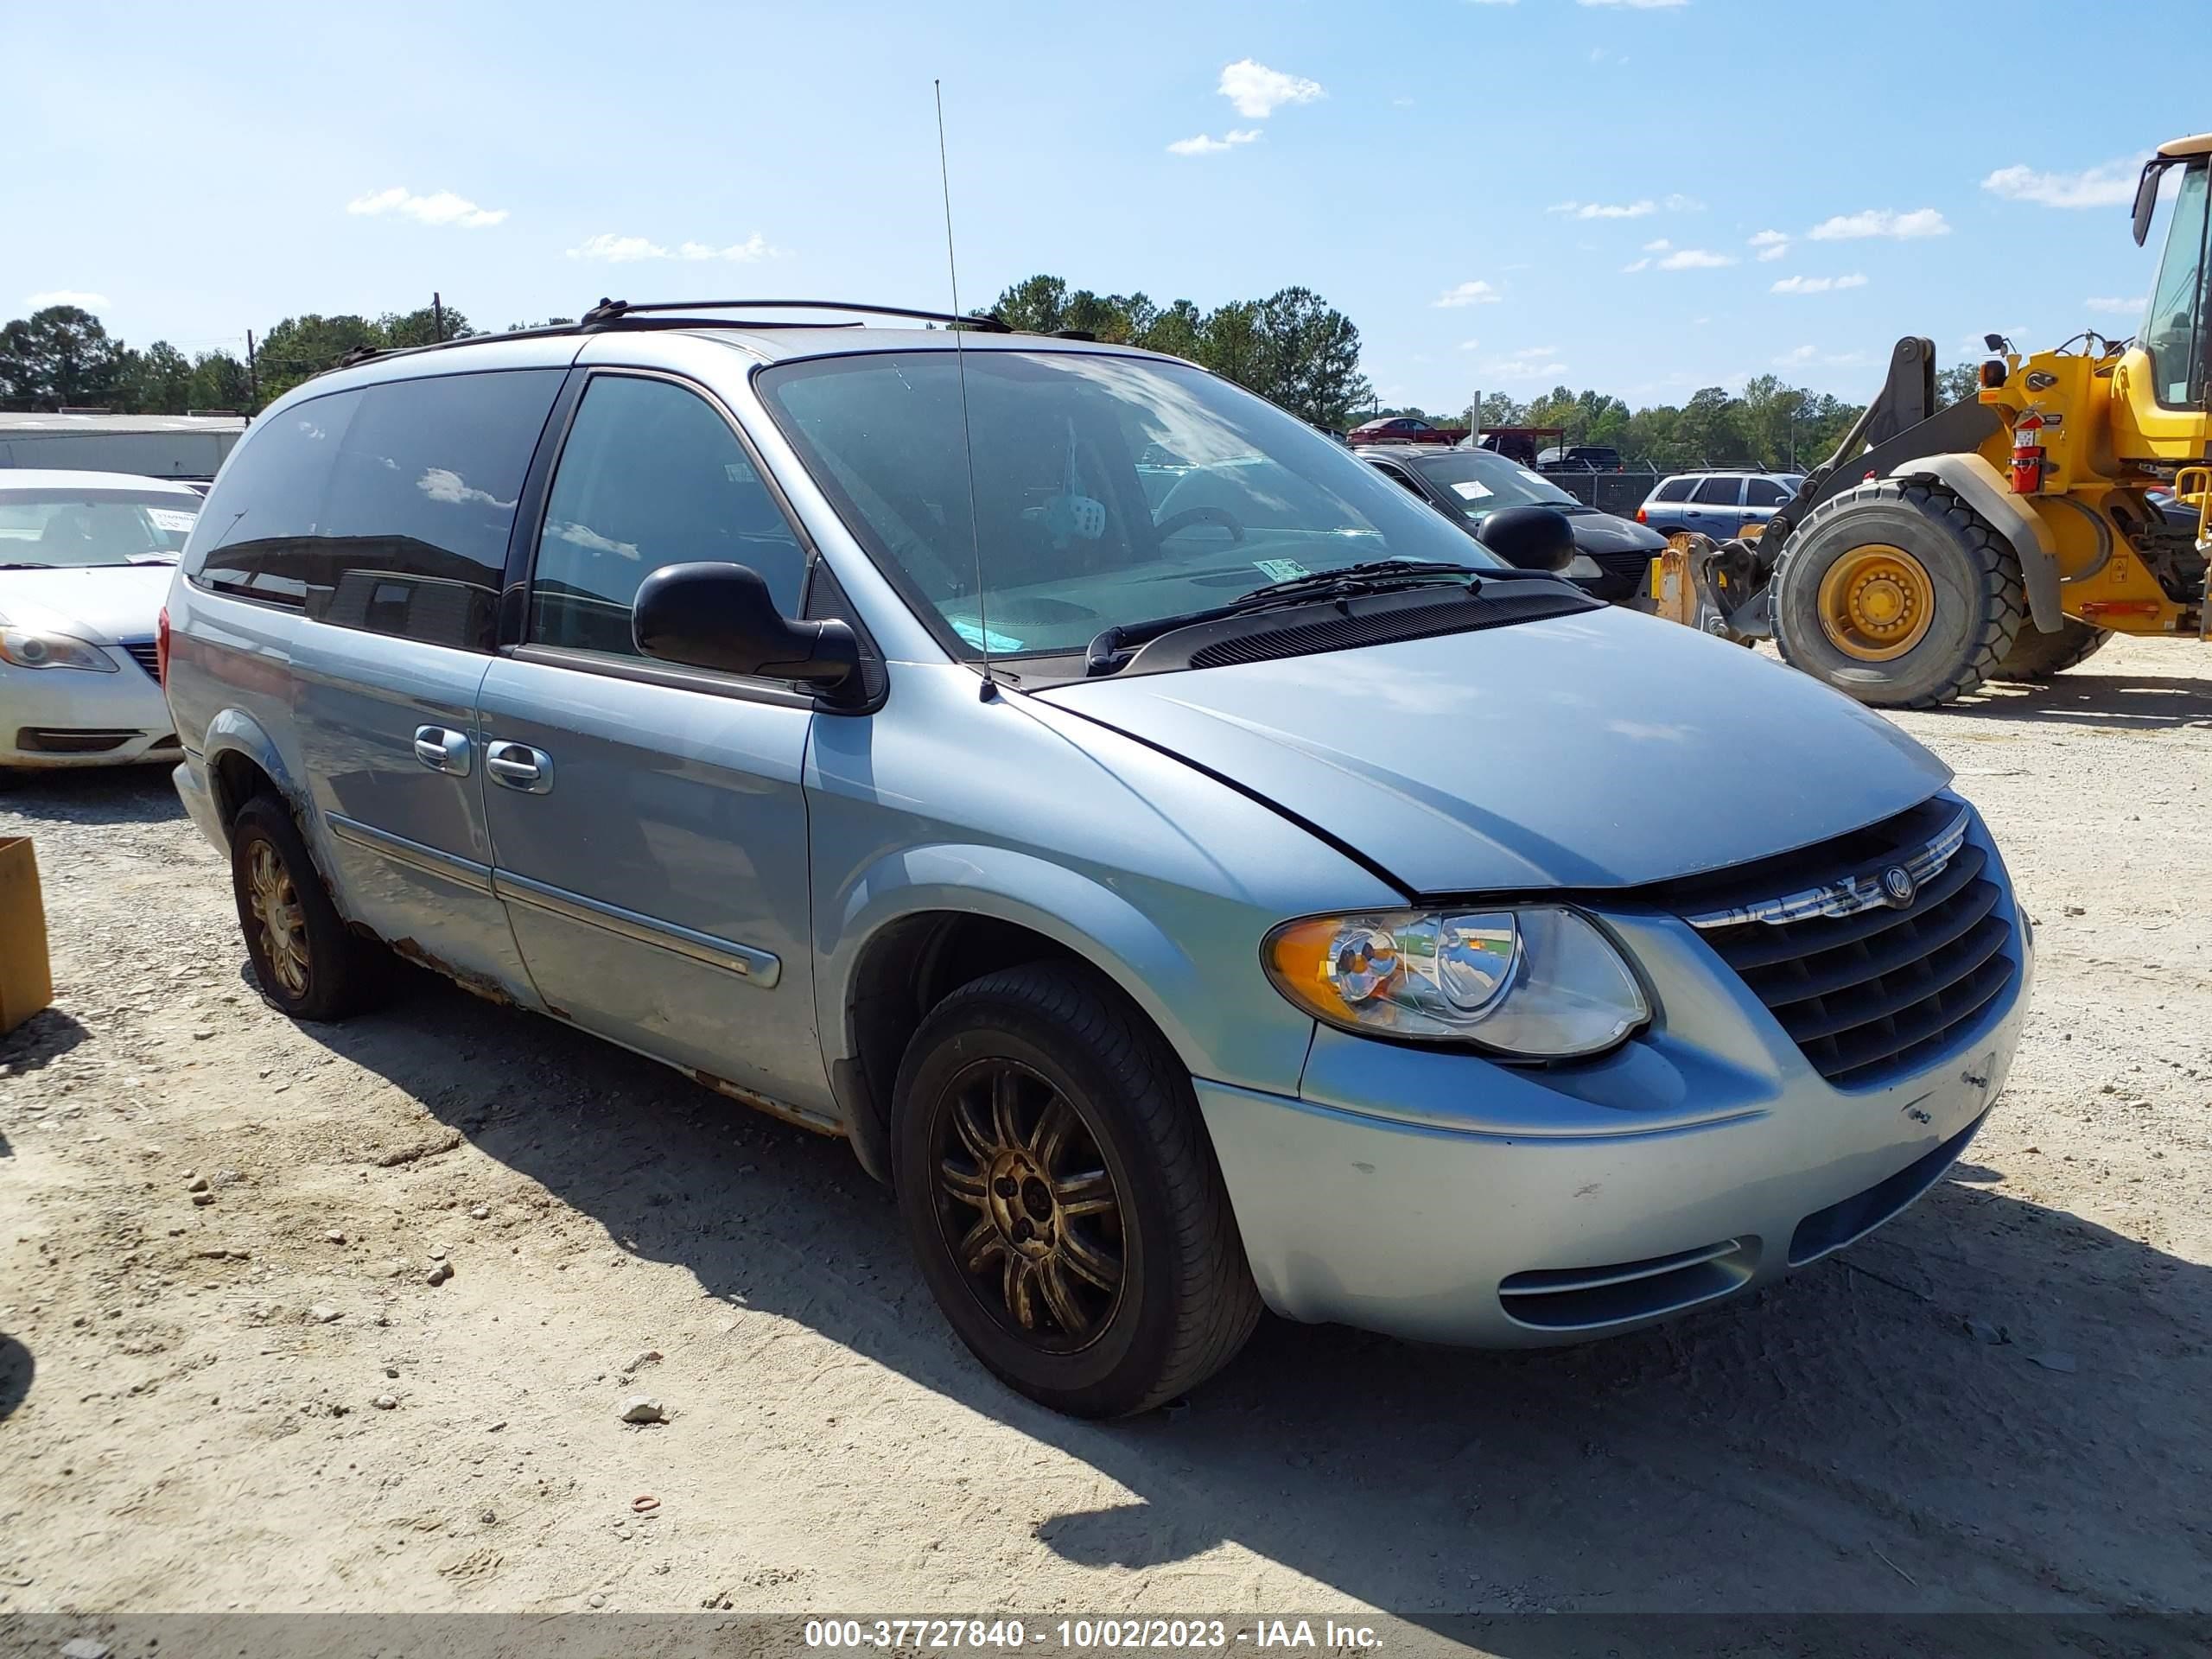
(1621, 493)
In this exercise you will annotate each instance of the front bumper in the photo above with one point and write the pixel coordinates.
(53, 717)
(1439, 1197)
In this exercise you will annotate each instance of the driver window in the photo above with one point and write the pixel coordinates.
(651, 474)
(2171, 331)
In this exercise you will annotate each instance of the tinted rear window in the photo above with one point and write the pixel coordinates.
(1723, 492)
(386, 509)
(1763, 492)
(1674, 489)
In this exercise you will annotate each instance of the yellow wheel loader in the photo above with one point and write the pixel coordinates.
(2006, 536)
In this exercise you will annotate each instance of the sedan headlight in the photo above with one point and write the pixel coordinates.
(35, 648)
(1535, 983)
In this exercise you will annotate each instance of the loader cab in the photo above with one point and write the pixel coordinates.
(2162, 379)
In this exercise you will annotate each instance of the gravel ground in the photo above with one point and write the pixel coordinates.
(249, 1395)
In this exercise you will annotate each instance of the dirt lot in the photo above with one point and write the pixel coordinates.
(1997, 1403)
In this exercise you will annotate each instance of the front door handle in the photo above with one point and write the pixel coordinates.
(442, 750)
(519, 766)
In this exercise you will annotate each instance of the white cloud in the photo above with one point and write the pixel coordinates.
(627, 250)
(75, 296)
(1805, 356)
(1604, 209)
(1530, 363)
(1476, 293)
(1881, 221)
(1638, 265)
(1256, 91)
(2109, 185)
(1644, 207)
(446, 486)
(1695, 260)
(1771, 245)
(1659, 247)
(1818, 284)
(442, 208)
(1204, 145)
(1470, 344)
(2120, 307)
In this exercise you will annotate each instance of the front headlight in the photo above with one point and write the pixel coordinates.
(1536, 981)
(35, 648)
(1583, 568)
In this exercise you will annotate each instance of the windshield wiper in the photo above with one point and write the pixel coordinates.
(25, 565)
(1110, 647)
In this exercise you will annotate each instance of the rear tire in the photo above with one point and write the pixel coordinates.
(1061, 1196)
(309, 963)
(2037, 656)
(1975, 602)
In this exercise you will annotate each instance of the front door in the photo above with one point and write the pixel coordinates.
(648, 823)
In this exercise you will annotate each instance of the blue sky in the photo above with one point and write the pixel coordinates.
(1502, 194)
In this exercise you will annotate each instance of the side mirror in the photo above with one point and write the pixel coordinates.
(2146, 196)
(723, 616)
(1530, 538)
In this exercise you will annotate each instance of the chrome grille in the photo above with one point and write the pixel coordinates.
(144, 653)
(1868, 978)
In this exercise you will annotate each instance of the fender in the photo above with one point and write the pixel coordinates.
(1095, 923)
(235, 731)
(1982, 487)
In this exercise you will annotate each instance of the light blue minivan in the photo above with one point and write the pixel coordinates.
(1194, 875)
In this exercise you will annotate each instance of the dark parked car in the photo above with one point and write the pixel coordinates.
(1581, 457)
(1406, 428)
(1467, 486)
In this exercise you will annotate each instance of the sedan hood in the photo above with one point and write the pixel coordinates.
(101, 604)
(1605, 749)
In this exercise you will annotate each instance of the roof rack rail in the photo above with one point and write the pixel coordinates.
(608, 313)
(617, 313)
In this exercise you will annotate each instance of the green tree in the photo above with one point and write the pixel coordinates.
(156, 381)
(1310, 358)
(218, 381)
(1960, 380)
(1179, 331)
(1499, 409)
(1769, 420)
(1710, 432)
(1230, 343)
(1036, 305)
(61, 355)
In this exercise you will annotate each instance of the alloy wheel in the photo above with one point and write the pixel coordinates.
(1026, 1205)
(280, 921)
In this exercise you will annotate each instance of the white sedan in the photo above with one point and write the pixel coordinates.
(85, 564)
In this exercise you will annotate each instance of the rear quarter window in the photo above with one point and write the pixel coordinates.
(1722, 491)
(386, 509)
(1674, 489)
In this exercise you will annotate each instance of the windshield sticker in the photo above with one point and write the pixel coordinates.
(983, 638)
(1472, 490)
(1281, 569)
(169, 518)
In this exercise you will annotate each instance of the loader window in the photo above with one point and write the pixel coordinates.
(2173, 331)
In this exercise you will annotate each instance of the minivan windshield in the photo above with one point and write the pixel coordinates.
(91, 525)
(1106, 490)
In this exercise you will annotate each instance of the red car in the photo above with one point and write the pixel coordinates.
(1405, 429)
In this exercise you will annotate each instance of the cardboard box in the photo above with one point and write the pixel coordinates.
(25, 978)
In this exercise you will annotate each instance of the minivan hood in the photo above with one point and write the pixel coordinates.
(1604, 749)
(100, 603)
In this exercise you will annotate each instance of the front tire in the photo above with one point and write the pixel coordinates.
(2037, 656)
(1898, 594)
(309, 963)
(1062, 1199)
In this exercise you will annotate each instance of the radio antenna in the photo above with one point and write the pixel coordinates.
(960, 363)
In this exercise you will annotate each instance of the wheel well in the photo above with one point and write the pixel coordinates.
(237, 780)
(905, 971)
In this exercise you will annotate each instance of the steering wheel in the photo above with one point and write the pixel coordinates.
(1177, 522)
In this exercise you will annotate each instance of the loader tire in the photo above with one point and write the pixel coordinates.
(2037, 656)
(1938, 609)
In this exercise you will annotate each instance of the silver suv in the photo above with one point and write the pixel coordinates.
(1192, 873)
